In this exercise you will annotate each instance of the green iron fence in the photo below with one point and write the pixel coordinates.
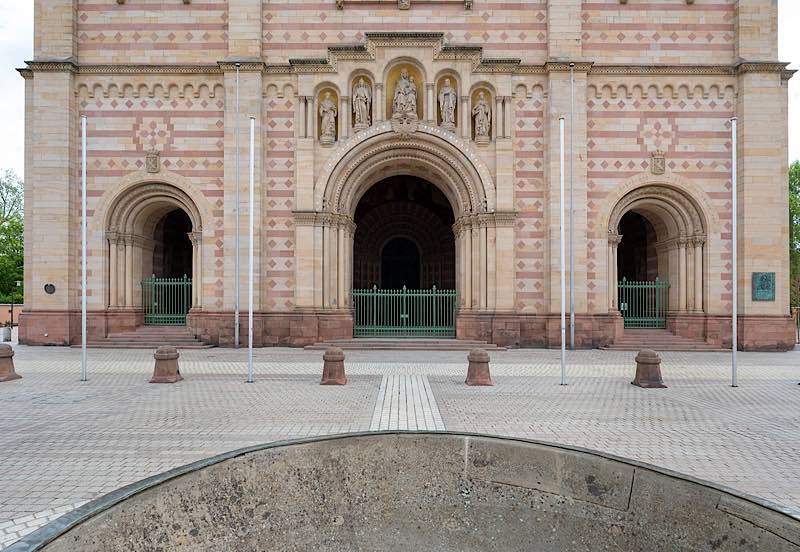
(644, 304)
(404, 312)
(166, 301)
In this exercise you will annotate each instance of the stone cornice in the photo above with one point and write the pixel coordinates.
(563, 66)
(248, 66)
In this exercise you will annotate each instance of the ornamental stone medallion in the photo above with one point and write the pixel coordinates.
(658, 163)
(153, 161)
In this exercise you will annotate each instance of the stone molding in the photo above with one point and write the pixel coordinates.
(473, 175)
(497, 219)
(324, 218)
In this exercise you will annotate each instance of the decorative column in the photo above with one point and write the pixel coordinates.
(498, 130)
(310, 117)
(327, 267)
(507, 105)
(430, 106)
(129, 271)
(476, 267)
(341, 272)
(467, 265)
(682, 287)
(698, 242)
(613, 278)
(491, 264)
(113, 276)
(377, 106)
(483, 267)
(302, 114)
(344, 118)
(197, 268)
(466, 127)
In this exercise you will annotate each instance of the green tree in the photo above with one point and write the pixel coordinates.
(794, 231)
(11, 238)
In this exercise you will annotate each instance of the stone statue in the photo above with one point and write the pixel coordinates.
(405, 97)
(447, 105)
(327, 110)
(362, 101)
(482, 114)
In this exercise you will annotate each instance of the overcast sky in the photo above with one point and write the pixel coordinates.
(16, 46)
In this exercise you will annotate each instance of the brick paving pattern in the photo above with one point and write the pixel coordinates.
(63, 442)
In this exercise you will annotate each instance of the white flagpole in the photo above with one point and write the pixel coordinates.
(571, 207)
(236, 210)
(84, 375)
(735, 260)
(251, 216)
(561, 240)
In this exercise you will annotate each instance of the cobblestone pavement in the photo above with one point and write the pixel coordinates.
(63, 442)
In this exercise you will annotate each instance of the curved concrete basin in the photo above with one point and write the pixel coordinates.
(419, 492)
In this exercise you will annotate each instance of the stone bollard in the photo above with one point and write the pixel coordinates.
(478, 371)
(333, 367)
(648, 370)
(7, 372)
(166, 369)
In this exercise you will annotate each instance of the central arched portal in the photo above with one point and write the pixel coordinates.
(404, 259)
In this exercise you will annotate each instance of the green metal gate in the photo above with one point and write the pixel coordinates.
(404, 312)
(166, 301)
(644, 304)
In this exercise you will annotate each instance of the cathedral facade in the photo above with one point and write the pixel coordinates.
(406, 169)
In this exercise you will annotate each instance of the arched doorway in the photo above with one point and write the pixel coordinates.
(404, 260)
(656, 238)
(154, 236)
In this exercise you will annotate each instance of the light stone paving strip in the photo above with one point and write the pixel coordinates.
(406, 402)
(15, 529)
(63, 442)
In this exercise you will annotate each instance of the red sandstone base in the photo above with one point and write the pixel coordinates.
(305, 327)
(648, 370)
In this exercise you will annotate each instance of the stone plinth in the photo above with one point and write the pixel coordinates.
(648, 370)
(333, 368)
(7, 372)
(166, 369)
(478, 371)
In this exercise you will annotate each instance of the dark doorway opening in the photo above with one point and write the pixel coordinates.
(404, 236)
(637, 257)
(172, 254)
(400, 264)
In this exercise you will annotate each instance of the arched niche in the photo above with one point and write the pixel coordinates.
(355, 81)
(454, 81)
(485, 93)
(327, 99)
(391, 79)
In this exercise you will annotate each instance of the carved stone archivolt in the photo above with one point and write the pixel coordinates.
(672, 211)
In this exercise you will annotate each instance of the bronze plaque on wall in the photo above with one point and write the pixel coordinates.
(763, 286)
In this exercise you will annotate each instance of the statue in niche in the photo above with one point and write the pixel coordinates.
(482, 114)
(362, 101)
(447, 105)
(404, 106)
(327, 110)
(405, 96)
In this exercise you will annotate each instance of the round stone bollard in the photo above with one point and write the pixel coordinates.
(333, 367)
(7, 372)
(648, 370)
(166, 369)
(478, 371)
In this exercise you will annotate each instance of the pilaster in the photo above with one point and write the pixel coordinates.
(244, 29)
(250, 105)
(564, 30)
(54, 30)
(756, 30)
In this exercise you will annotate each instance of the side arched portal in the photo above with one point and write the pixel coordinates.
(656, 234)
(154, 235)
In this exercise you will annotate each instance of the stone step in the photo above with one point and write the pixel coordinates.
(401, 344)
(143, 345)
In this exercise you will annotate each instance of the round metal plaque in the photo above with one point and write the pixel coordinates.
(49, 289)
